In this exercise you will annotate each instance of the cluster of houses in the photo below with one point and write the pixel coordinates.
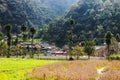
(44, 48)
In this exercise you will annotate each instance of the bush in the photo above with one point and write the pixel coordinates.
(3, 49)
(114, 57)
(71, 58)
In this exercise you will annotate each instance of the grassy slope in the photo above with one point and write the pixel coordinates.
(16, 69)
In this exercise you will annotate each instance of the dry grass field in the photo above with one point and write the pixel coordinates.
(78, 70)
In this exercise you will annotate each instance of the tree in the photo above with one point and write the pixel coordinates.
(108, 37)
(23, 29)
(89, 48)
(16, 50)
(70, 38)
(8, 28)
(1, 36)
(3, 49)
(25, 35)
(32, 32)
(78, 50)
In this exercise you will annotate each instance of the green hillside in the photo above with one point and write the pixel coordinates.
(32, 12)
(93, 18)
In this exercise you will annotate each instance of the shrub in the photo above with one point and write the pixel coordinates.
(114, 57)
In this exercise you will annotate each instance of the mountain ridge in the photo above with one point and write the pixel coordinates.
(32, 12)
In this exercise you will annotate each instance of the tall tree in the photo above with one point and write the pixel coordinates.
(32, 31)
(23, 29)
(89, 48)
(108, 37)
(8, 28)
(70, 38)
(1, 36)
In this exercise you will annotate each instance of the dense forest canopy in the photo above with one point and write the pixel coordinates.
(93, 18)
(32, 12)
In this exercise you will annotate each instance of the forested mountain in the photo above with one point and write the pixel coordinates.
(93, 18)
(32, 12)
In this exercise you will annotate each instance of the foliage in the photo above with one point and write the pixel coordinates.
(32, 32)
(114, 45)
(70, 38)
(3, 49)
(16, 50)
(25, 36)
(78, 50)
(89, 47)
(108, 37)
(23, 28)
(31, 12)
(92, 20)
(72, 22)
(108, 40)
(8, 28)
(1, 36)
(114, 57)
(41, 32)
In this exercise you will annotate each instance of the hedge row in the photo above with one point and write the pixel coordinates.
(114, 57)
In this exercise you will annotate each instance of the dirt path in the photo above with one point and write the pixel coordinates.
(100, 71)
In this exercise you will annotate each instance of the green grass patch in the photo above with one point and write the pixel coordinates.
(16, 69)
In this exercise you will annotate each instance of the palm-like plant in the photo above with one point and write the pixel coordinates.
(70, 38)
(8, 28)
(23, 29)
(1, 36)
(32, 31)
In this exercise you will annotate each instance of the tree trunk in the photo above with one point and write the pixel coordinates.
(77, 56)
(70, 55)
(8, 54)
(108, 49)
(16, 55)
(88, 56)
(32, 54)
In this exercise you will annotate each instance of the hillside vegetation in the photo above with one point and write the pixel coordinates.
(93, 18)
(32, 12)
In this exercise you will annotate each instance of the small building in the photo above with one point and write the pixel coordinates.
(31, 46)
